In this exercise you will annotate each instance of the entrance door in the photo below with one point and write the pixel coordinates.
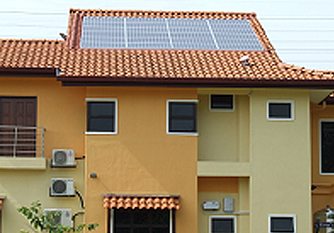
(17, 111)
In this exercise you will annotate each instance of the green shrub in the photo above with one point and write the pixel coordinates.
(46, 223)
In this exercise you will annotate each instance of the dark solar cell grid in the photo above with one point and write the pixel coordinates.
(151, 33)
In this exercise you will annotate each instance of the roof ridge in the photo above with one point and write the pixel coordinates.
(304, 69)
(160, 12)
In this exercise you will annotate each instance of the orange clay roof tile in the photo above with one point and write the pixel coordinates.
(124, 201)
(158, 65)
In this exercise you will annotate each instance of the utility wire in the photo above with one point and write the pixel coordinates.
(261, 18)
(32, 13)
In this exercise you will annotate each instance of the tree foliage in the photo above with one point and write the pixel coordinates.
(46, 222)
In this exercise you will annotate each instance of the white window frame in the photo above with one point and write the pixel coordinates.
(223, 216)
(293, 216)
(167, 117)
(320, 148)
(222, 109)
(116, 115)
(292, 110)
(111, 230)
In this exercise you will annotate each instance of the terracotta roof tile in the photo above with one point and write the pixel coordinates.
(118, 201)
(209, 67)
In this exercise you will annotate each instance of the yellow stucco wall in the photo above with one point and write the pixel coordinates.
(142, 158)
(324, 193)
(224, 135)
(61, 110)
(22, 187)
(167, 164)
(218, 188)
(281, 162)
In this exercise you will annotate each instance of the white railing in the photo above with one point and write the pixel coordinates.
(21, 141)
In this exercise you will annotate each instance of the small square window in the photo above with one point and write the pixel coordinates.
(282, 223)
(221, 102)
(222, 224)
(101, 115)
(181, 117)
(280, 110)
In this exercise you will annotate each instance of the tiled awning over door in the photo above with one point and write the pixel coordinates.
(117, 201)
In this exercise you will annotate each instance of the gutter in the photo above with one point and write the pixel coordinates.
(194, 82)
(29, 72)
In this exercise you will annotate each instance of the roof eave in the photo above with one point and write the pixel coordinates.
(195, 82)
(16, 71)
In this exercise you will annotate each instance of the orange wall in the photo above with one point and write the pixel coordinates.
(218, 184)
(61, 110)
(142, 158)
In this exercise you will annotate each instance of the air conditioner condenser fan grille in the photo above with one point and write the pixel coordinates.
(60, 157)
(59, 186)
(55, 217)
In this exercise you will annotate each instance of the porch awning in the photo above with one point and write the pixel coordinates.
(126, 201)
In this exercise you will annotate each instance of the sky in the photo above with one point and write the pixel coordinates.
(301, 31)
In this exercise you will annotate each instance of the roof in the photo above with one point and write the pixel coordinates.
(118, 201)
(190, 67)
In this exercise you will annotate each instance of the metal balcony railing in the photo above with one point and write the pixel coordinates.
(21, 141)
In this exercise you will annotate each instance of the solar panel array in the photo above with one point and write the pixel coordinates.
(171, 33)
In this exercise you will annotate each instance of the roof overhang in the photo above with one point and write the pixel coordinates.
(317, 96)
(196, 82)
(130, 201)
(37, 72)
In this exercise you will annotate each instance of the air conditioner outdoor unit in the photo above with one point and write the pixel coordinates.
(63, 158)
(59, 216)
(61, 187)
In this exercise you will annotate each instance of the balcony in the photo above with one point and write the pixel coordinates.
(21, 141)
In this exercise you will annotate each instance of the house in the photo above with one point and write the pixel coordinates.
(179, 122)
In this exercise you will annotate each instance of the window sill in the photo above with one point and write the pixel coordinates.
(22, 163)
(100, 133)
(280, 119)
(182, 134)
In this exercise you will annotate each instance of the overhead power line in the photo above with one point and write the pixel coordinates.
(261, 18)
(32, 13)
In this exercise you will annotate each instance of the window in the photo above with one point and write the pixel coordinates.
(101, 116)
(181, 117)
(142, 221)
(282, 223)
(17, 111)
(222, 224)
(326, 146)
(222, 102)
(280, 110)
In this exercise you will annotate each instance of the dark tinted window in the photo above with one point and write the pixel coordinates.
(280, 110)
(221, 102)
(281, 224)
(327, 147)
(222, 225)
(141, 221)
(101, 116)
(182, 117)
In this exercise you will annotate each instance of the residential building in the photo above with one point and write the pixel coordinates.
(179, 122)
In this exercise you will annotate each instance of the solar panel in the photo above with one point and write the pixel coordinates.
(191, 34)
(147, 33)
(171, 33)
